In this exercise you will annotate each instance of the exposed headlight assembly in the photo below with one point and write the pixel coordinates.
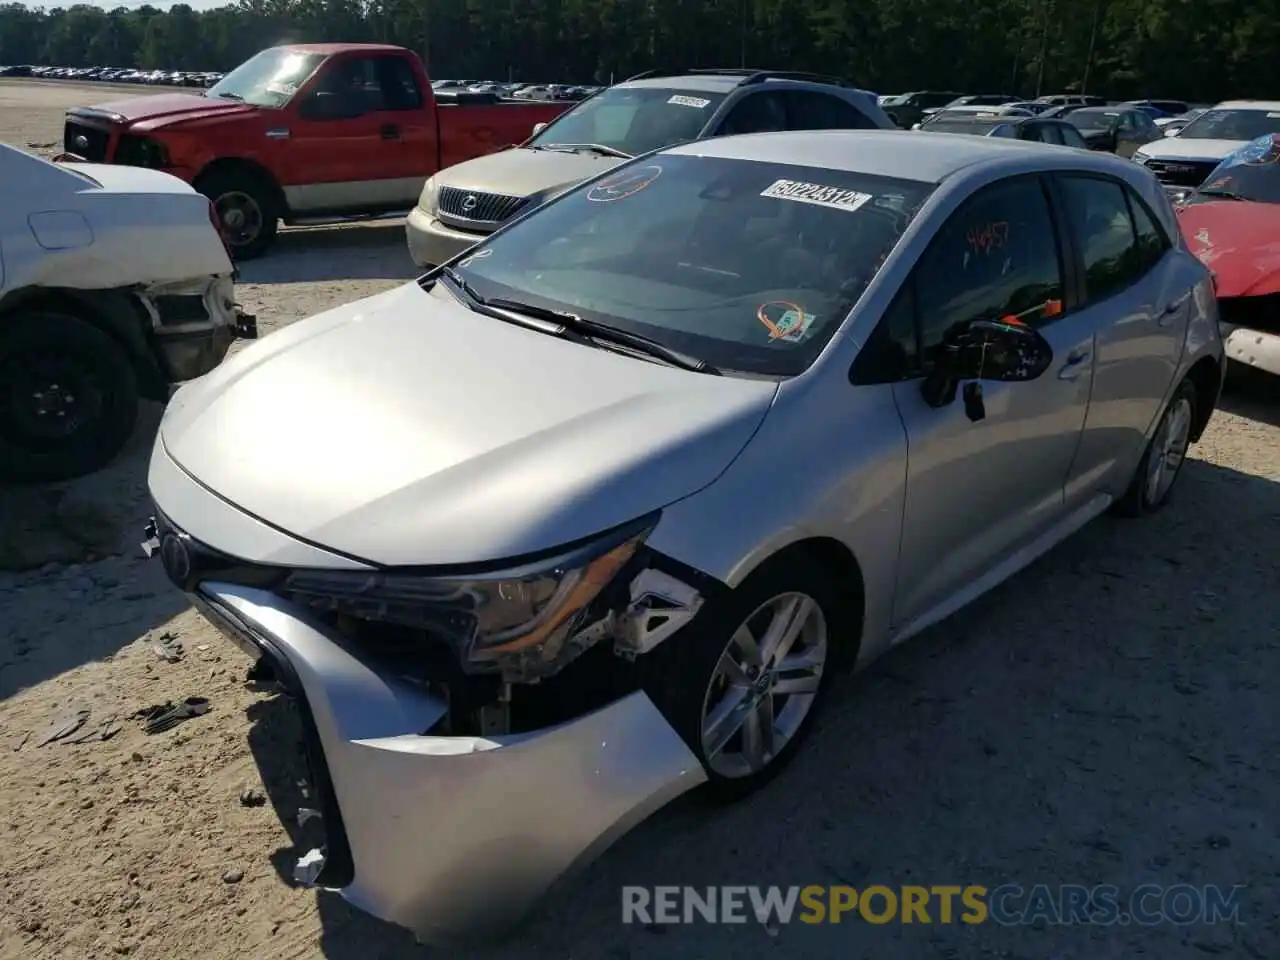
(517, 622)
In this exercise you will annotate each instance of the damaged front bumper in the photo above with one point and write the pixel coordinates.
(194, 324)
(450, 836)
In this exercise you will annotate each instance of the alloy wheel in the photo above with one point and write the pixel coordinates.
(764, 685)
(1168, 450)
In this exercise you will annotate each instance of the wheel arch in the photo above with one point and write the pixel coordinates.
(1206, 376)
(836, 558)
(115, 312)
(231, 166)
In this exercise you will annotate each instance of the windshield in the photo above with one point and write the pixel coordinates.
(1093, 118)
(1231, 125)
(963, 123)
(634, 120)
(1251, 173)
(749, 266)
(268, 79)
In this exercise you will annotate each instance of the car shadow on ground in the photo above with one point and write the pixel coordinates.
(1093, 720)
(83, 537)
(374, 250)
(1252, 394)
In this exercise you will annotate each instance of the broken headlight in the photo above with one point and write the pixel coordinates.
(516, 621)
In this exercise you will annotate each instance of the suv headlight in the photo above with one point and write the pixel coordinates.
(427, 199)
(515, 621)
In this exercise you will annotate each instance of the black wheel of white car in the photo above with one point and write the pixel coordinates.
(1162, 461)
(742, 684)
(68, 397)
(246, 211)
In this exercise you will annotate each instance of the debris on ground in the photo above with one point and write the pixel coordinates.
(249, 797)
(232, 876)
(167, 715)
(105, 730)
(64, 725)
(305, 814)
(308, 867)
(169, 648)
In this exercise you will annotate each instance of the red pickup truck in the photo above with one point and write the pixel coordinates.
(304, 132)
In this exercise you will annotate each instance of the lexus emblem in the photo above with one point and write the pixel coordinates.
(82, 142)
(470, 202)
(175, 557)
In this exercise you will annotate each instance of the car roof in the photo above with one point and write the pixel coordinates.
(331, 48)
(727, 82)
(1247, 105)
(904, 154)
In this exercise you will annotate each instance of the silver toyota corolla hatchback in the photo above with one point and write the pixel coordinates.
(589, 516)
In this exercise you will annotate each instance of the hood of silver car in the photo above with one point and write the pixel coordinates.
(406, 429)
(522, 172)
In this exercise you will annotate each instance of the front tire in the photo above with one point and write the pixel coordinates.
(246, 210)
(1161, 462)
(68, 397)
(743, 683)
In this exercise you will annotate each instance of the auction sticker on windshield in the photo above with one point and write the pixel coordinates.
(623, 185)
(680, 100)
(788, 322)
(837, 198)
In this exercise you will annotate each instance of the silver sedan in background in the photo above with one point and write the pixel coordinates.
(590, 515)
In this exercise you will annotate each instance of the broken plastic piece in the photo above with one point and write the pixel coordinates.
(307, 813)
(64, 726)
(308, 867)
(167, 717)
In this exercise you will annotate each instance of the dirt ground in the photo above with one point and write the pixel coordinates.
(1109, 717)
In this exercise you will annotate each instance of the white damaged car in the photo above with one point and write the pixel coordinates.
(589, 516)
(1183, 159)
(114, 285)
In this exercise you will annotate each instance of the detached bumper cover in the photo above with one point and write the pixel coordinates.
(452, 837)
(193, 329)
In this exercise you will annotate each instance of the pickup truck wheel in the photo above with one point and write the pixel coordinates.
(68, 397)
(246, 210)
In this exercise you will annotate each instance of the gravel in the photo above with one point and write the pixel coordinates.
(1108, 716)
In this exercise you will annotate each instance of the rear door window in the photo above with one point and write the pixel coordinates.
(756, 113)
(1099, 213)
(809, 110)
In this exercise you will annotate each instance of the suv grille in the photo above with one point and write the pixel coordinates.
(478, 208)
(1182, 173)
(85, 141)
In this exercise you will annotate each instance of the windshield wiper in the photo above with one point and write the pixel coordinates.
(602, 331)
(227, 96)
(599, 148)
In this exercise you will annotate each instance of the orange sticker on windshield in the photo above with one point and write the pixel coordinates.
(785, 320)
(623, 185)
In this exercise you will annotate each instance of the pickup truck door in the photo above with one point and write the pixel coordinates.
(361, 140)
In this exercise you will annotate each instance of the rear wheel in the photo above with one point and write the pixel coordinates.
(246, 210)
(1161, 463)
(68, 397)
(743, 683)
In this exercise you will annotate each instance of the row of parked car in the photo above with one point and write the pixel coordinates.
(153, 78)
(209, 78)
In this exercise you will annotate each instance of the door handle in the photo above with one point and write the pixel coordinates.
(390, 131)
(1075, 365)
(1170, 312)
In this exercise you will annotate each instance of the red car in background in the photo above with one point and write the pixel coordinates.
(304, 132)
(1232, 223)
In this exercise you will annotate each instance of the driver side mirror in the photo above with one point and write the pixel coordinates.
(984, 350)
(538, 128)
